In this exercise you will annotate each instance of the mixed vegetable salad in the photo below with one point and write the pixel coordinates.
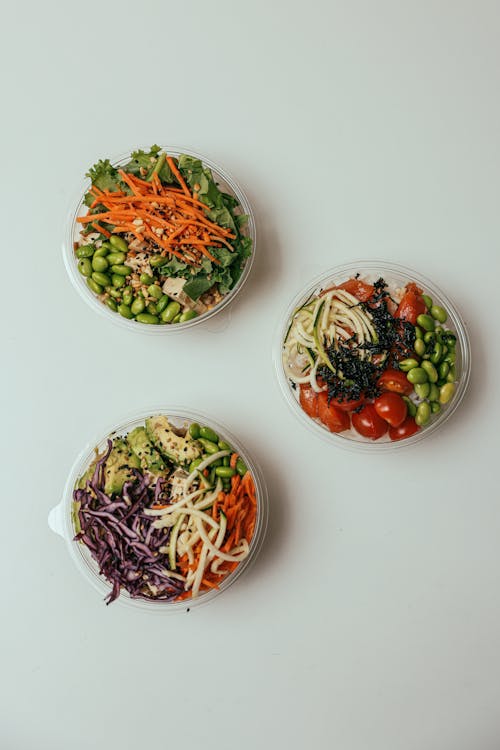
(161, 243)
(370, 358)
(166, 512)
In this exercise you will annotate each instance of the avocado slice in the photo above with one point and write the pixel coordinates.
(181, 450)
(118, 468)
(144, 449)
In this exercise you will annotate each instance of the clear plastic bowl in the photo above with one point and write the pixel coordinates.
(60, 519)
(397, 275)
(225, 181)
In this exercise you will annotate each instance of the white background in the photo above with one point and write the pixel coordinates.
(372, 617)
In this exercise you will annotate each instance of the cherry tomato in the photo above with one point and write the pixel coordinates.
(408, 428)
(332, 417)
(347, 405)
(358, 288)
(392, 408)
(412, 304)
(309, 401)
(395, 381)
(368, 423)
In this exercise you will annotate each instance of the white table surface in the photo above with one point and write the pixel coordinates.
(372, 617)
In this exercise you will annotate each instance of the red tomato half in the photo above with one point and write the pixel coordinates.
(392, 408)
(395, 381)
(358, 288)
(408, 428)
(412, 304)
(368, 423)
(347, 405)
(309, 401)
(332, 417)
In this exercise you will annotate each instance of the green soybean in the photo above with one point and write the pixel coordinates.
(157, 260)
(451, 358)
(430, 337)
(128, 297)
(417, 375)
(427, 300)
(225, 471)
(97, 288)
(194, 464)
(241, 467)
(431, 371)
(223, 446)
(117, 280)
(99, 264)
(85, 267)
(85, 251)
(162, 303)
(423, 413)
(433, 392)
(145, 278)
(177, 318)
(194, 430)
(419, 347)
(125, 311)
(226, 461)
(170, 312)
(188, 315)
(152, 309)
(116, 259)
(446, 393)
(426, 322)
(451, 377)
(209, 446)
(208, 434)
(115, 293)
(118, 243)
(410, 405)
(147, 318)
(450, 339)
(112, 304)
(217, 462)
(419, 334)
(422, 389)
(121, 270)
(439, 313)
(443, 369)
(437, 353)
(155, 291)
(435, 407)
(408, 364)
(101, 278)
(102, 251)
(137, 306)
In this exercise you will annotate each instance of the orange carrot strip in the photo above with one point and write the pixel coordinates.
(178, 176)
(100, 229)
(232, 462)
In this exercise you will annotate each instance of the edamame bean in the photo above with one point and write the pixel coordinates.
(145, 278)
(117, 280)
(443, 369)
(430, 370)
(408, 364)
(426, 322)
(419, 334)
(451, 377)
(217, 462)
(450, 339)
(121, 270)
(152, 309)
(209, 446)
(446, 393)
(241, 467)
(194, 430)
(112, 304)
(118, 243)
(226, 461)
(208, 434)
(97, 288)
(115, 293)
(101, 278)
(430, 337)
(147, 318)
(423, 413)
(102, 251)
(439, 313)
(422, 389)
(194, 464)
(170, 312)
(128, 297)
(433, 392)
(427, 300)
(137, 306)
(223, 446)
(116, 259)
(225, 471)
(211, 478)
(85, 251)
(410, 405)
(437, 353)
(99, 263)
(188, 315)
(451, 358)
(85, 267)
(155, 291)
(157, 260)
(435, 407)
(417, 375)
(177, 318)
(125, 311)
(419, 347)
(162, 303)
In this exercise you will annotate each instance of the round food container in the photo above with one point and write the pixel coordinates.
(152, 522)
(107, 301)
(304, 315)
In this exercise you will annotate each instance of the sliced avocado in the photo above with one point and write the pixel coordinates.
(82, 482)
(118, 468)
(144, 449)
(179, 449)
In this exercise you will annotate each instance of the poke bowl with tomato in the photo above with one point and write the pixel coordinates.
(372, 354)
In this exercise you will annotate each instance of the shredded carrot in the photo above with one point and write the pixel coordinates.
(101, 229)
(232, 462)
(178, 175)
